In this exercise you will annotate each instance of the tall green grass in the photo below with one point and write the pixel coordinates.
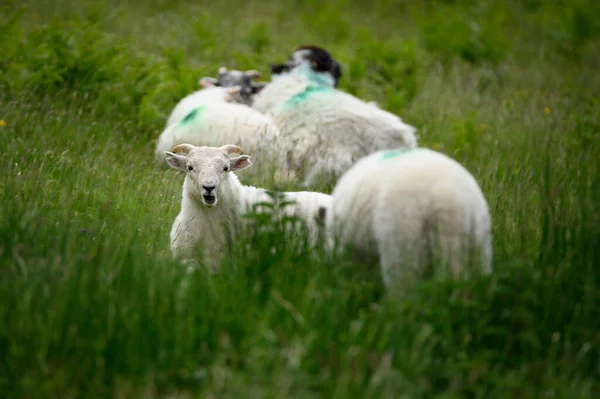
(93, 305)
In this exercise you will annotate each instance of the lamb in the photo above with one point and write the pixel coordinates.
(395, 206)
(324, 130)
(209, 118)
(214, 200)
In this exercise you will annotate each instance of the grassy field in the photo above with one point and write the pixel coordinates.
(92, 305)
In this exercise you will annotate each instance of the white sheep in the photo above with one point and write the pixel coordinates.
(324, 130)
(207, 117)
(214, 200)
(396, 206)
(215, 90)
(208, 95)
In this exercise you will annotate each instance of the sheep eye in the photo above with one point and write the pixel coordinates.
(190, 168)
(226, 169)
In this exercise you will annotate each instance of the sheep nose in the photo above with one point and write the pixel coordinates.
(208, 188)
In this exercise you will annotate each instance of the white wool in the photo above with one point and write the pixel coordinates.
(395, 205)
(202, 229)
(209, 95)
(206, 118)
(324, 130)
(218, 124)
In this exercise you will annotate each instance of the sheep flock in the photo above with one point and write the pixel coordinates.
(411, 210)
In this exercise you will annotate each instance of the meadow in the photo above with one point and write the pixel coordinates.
(92, 305)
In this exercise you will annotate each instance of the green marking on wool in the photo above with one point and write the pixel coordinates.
(302, 96)
(394, 153)
(192, 115)
(316, 78)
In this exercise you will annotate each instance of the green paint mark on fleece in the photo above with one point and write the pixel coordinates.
(303, 95)
(315, 78)
(192, 115)
(394, 153)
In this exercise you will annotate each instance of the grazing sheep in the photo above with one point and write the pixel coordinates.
(212, 120)
(324, 130)
(214, 90)
(395, 206)
(214, 201)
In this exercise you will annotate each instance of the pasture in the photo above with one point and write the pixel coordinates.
(92, 304)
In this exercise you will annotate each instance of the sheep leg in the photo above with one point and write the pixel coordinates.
(399, 240)
(459, 242)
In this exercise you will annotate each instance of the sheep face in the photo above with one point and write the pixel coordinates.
(319, 60)
(231, 77)
(240, 84)
(206, 168)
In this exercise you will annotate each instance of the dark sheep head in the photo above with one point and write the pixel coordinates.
(320, 61)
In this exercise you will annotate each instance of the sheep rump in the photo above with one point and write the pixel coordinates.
(403, 206)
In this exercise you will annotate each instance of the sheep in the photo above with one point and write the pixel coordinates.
(214, 90)
(214, 200)
(394, 206)
(211, 120)
(324, 130)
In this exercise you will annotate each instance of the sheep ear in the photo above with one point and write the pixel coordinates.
(175, 161)
(320, 214)
(231, 92)
(253, 74)
(336, 71)
(207, 82)
(240, 162)
(257, 88)
(182, 148)
(232, 149)
(276, 69)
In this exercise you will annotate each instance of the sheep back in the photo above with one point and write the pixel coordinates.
(191, 101)
(326, 130)
(218, 124)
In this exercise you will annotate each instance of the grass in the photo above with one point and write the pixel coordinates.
(93, 305)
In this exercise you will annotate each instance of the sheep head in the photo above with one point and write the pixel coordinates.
(207, 81)
(206, 168)
(241, 84)
(318, 58)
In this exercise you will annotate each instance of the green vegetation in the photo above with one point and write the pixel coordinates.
(92, 305)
